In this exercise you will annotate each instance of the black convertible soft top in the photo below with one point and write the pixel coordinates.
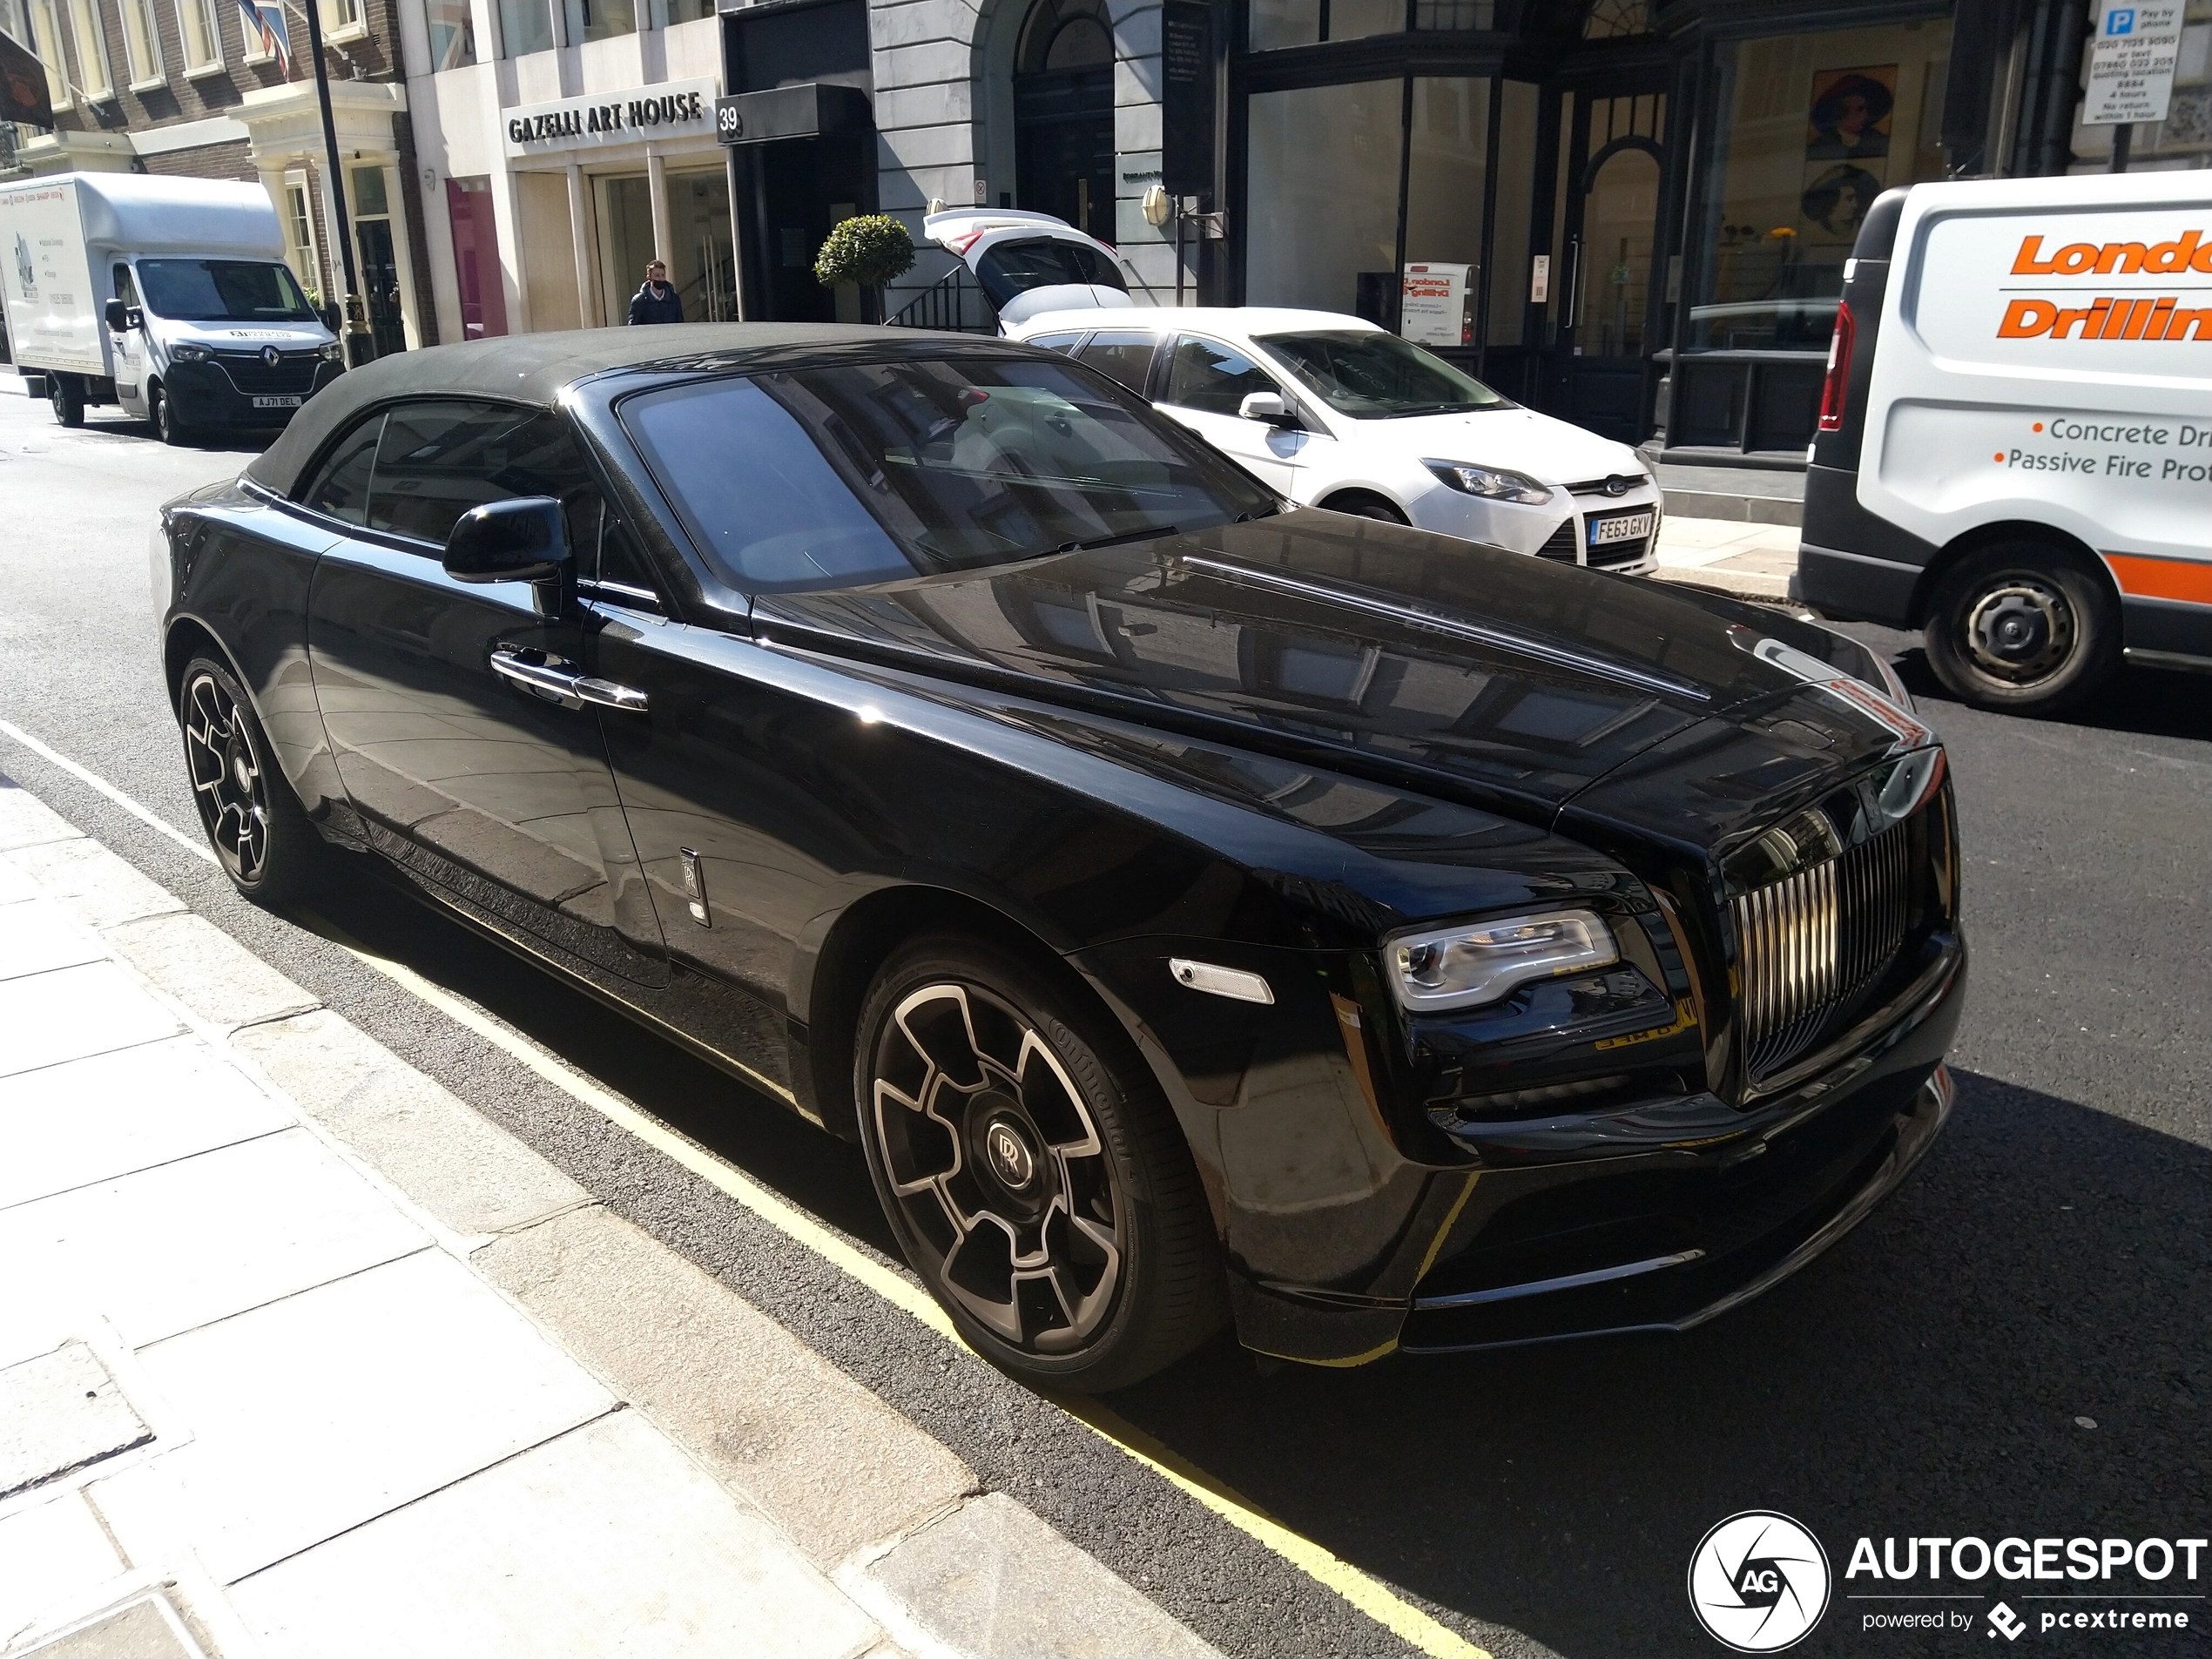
(534, 368)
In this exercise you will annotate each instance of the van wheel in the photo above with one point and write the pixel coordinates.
(1358, 505)
(1035, 1177)
(166, 426)
(2024, 628)
(66, 394)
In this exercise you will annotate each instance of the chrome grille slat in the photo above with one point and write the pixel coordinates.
(1812, 941)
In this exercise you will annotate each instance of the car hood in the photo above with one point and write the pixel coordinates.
(1369, 648)
(247, 336)
(1548, 450)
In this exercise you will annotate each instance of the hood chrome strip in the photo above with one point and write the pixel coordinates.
(1437, 622)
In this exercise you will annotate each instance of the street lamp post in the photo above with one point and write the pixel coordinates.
(361, 345)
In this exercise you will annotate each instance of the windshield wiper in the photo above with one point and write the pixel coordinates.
(1439, 408)
(1116, 541)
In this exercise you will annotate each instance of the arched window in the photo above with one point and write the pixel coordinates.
(1065, 34)
(1616, 19)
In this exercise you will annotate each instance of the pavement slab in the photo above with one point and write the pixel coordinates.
(992, 1580)
(54, 1556)
(109, 1114)
(38, 936)
(100, 889)
(604, 1543)
(69, 1013)
(217, 979)
(168, 1249)
(471, 1176)
(327, 1409)
(775, 1421)
(25, 820)
(60, 1411)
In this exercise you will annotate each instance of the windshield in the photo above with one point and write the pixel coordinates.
(1368, 374)
(833, 477)
(221, 291)
(1015, 267)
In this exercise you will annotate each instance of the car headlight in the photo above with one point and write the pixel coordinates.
(189, 353)
(1493, 483)
(1467, 966)
(333, 353)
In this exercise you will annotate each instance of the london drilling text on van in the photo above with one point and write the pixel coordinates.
(2015, 452)
(166, 297)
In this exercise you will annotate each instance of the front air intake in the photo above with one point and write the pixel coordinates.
(1809, 943)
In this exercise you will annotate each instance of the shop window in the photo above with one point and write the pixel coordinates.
(1512, 275)
(202, 43)
(1618, 19)
(1455, 14)
(671, 12)
(451, 25)
(46, 42)
(1448, 141)
(92, 77)
(703, 263)
(1812, 128)
(525, 26)
(141, 43)
(1350, 184)
(599, 19)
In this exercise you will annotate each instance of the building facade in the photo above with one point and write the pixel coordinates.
(184, 87)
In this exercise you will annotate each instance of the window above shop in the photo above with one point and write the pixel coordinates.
(1278, 24)
(1065, 34)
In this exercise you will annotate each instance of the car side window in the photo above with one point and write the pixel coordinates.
(607, 554)
(438, 460)
(1211, 378)
(1055, 342)
(1122, 355)
(341, 487)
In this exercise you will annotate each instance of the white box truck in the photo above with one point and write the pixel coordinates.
(167, 297)
(2015, 451)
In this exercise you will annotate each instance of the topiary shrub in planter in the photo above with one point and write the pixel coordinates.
(870, 250)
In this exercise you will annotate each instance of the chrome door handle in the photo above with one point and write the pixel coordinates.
(564, 685)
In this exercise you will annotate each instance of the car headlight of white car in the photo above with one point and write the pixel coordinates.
(1492, 483)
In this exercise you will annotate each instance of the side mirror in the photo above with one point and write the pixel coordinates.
(523, 540)
(119, 317)
(1268, 406)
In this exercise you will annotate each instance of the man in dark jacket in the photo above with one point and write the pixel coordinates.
(657, 302)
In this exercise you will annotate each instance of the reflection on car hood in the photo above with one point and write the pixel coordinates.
(1365, 648)
(1548, 450)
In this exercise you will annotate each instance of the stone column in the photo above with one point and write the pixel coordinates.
(657, 183)
(587, 283)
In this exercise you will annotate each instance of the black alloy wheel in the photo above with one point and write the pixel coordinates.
(1358, 505)
(2024, 628)
(68, 399)
(253, 820)
(1034, 1176)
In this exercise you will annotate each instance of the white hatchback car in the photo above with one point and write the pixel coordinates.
(1332, 411)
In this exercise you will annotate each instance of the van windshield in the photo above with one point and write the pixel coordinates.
(222, 291)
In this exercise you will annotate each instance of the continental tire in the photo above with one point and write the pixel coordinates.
(1034, 1174)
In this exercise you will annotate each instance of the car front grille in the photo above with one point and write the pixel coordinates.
(293, 375)
(1810, 942)
(1564, 543)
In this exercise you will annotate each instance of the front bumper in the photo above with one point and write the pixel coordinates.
(203, 394)
(1560, 530)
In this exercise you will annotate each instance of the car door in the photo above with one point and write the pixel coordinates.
(1207, 383)
(444, 700)
(1123, 355)
(130, 347)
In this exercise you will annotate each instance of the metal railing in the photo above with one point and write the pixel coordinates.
(954, 301)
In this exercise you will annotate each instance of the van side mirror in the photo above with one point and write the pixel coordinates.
(1268, 406)
(119, 317)
(523, 540)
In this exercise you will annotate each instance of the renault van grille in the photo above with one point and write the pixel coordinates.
(1812, 941)
(292, 374)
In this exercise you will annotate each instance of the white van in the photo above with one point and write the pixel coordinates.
(168, 297)
(2015, 451)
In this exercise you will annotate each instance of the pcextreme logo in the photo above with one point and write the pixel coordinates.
(2158, 317)
(1758, 1582)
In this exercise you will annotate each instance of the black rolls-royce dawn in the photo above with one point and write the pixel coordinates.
(1197, 909)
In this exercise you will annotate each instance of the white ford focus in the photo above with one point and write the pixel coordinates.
(1332, 411)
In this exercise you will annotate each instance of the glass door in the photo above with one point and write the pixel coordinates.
(1605, 336)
